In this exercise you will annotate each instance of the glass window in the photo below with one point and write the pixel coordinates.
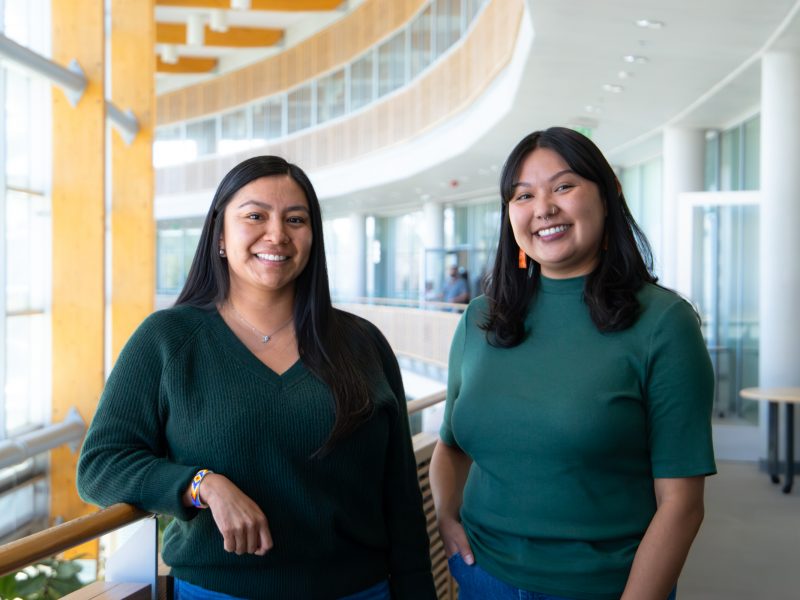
(233, 131)
(299, 109)
(27, 392)
(392, 63)
(448, 24)
(752, 154)
(170, 261)
(177, 242)
(27, 124)
(711, 176)
(203, 136)
(730, 159)
(330, 96)
(472, 7)
(27, 252)
(170, 147)
(268, 119)
(421, 34)
(362, 88)
(725, 290)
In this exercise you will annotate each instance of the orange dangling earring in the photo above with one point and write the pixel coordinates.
(522, 263)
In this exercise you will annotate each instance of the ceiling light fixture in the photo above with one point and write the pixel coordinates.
(649, 24)
(240, 4)
(218, 21)
(624, 75)
(195, 26)
(613, 88)
(635, 59)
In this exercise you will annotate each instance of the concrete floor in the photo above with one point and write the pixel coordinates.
(749, 544)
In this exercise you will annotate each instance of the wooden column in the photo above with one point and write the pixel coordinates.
(78, 237)
(133, 62)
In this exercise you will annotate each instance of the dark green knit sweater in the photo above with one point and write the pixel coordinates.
(186, 394)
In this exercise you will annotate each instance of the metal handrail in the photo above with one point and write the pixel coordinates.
(21, 448)
(411, 303)
(28, 550)
(418, 404)
(71, 79)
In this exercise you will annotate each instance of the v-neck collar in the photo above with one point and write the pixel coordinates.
(242, 353)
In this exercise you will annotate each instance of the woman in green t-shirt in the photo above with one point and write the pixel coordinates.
(577, 433)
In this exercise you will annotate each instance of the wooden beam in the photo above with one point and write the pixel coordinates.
(234, 37)
(187, 64)
(273, 5)
(78, 238)
(133, 272)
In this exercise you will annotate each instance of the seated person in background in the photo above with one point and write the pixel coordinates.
(456, 289)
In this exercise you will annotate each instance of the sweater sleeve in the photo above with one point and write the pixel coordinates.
(409, 558)
(125, 456)
(454, 379)
(680, 392)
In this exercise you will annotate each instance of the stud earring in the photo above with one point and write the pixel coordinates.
(222, 253)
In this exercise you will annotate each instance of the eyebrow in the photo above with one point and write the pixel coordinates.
(266, 206)
(517, 184)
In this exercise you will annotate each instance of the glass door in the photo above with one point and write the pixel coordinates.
(724, 288)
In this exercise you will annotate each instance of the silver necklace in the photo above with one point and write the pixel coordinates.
(265, 337)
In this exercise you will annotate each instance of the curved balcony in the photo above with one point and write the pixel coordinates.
(454, 80)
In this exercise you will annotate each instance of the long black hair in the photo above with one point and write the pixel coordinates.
(331, 342)
(626, 260)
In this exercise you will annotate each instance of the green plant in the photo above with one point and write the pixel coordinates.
(47, 579)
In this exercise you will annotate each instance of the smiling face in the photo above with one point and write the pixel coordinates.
(266, 236)
(556, 215)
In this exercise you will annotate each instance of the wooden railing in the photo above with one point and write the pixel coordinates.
(29, 550)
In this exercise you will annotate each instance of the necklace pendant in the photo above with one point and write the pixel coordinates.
(265, 339)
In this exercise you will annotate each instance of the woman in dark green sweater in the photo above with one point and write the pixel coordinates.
(272, 426)
(577, 427)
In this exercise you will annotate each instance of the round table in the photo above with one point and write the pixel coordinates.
(788, 396)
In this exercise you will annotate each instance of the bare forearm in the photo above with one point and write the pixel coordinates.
(448, 474)
(664, 548)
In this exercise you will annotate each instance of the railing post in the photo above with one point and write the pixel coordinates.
(136, 557)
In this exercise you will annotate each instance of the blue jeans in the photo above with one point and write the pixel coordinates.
(476, 584)
(186, 591)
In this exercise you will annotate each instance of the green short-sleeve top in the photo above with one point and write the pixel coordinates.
(567, 432)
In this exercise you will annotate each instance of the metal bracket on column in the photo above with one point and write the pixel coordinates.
(19, 449)
(70, 79)
(74, 95)
(124, 122)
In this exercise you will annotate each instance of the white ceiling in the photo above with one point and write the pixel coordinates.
(297, 26)
(702, 71)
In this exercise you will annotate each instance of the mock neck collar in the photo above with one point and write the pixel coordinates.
(571, 285)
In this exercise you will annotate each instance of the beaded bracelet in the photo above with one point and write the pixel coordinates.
(196, 481)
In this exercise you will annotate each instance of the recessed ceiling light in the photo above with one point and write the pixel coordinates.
(624, 75)
(591, 108)
(613, 88)
(649, 24)
(635, 59)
